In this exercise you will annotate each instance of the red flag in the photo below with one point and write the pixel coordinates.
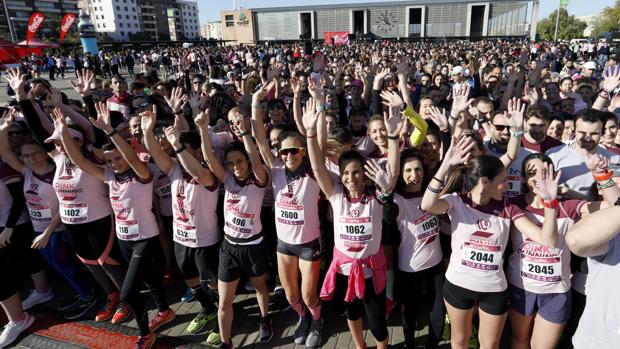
(34, 24)
(65, 25)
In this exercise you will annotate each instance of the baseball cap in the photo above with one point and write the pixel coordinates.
(590, 65)
(56, 136)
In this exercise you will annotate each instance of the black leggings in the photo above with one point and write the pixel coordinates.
(139, 255)
(411, 287)
(17, 258)
(373, 304)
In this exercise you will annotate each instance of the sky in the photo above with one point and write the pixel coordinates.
(210, 9)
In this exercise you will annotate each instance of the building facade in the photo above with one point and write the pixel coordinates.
(399, 19)
(144, 20)
(212, 30)
(15, 15)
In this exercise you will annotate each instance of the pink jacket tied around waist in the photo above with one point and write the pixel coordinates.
(357, 282)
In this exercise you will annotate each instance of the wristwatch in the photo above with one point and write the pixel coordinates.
(517, 134)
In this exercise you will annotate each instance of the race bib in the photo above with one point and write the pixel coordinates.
(546, 269)
(355, 229)
(164, 191)
(73, 213)
(240, 222)
(127, 230)
(428, 226)
(289, 214)
(184, 233)
(513, 185)
(481, 257)
(40, 212)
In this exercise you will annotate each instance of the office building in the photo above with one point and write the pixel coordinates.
(212, 30)
(15, 15)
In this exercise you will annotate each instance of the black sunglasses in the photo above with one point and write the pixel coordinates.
(287, 151)
(500, 128)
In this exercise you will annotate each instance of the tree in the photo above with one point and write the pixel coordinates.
(609, 20)
(569, 27)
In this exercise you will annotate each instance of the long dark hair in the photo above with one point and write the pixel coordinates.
(534, 156)
(411, 154)
(466, 177)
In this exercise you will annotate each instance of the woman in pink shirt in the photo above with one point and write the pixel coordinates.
(131, 196)
(480, 229)
(242, 251)
(359, 262)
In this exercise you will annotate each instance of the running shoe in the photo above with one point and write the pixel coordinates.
(188, 296)
(122, 314)
(161, 319)
(81, 307)
(314, 336)
(108, 310)
(265, 332)
(303, 326)
(35, 298)
(12, 330)
(146, 342)
(200, 322)
(214, 338)
(69, 303)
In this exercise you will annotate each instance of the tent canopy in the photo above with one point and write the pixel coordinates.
(34, 43)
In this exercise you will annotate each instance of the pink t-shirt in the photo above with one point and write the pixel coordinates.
(357, 226)
(132, 200)
(296, 205)
(7, 173)
(479, 238)
(41, 199)
(161, 186)
(242, 206)
(419, 247)
(538, 268)
(82, 197)
(193, 210)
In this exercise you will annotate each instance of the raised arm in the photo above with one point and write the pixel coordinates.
(258, 124)
(458, 153)
(609, 84)
(547, 189)
(393, 124)
(189, 162)
(260, 172)
(103, 123)
(297, 114)
(516, 109)
(6, 153)
(73, 149)
(202, 123)
(317, 160)
(147, 123)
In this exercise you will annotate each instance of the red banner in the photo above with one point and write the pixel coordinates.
(34, 24)
(336, 38)
(66, 24)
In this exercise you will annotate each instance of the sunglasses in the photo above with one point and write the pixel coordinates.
(287, 151)
(500, 128)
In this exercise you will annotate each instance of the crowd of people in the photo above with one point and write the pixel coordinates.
(465, 183)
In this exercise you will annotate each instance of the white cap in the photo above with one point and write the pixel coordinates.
(590, 65)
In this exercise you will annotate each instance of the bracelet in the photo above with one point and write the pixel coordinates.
(433, 190)
(603, 94)
(517, 134)
(549, 204)
(111, 133)
(177, 151)
(243, 134)
(456, 118)
(393, 138)
(607, 184)
(314, 136)
(603, 177)
(438, 180)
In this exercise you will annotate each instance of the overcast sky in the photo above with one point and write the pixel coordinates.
(210, 9)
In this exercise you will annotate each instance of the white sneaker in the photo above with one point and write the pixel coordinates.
(36, 298)
(12, 330)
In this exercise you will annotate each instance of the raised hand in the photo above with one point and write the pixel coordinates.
(274, 71)
(612, 79)
(82, 84)
(202, 120)
(439, 117)
(381, 75)
(318, 63)
(459, 151)
(392, 100)
(296, 85)
(532, 94)
(103, 118)
(314, 89)
(175, 101)
(17, 81)
(173, 136)
(195, 100)
(381, 177)
(403, 67)
(60, 124)
(310, 116)
(460, 103)
(54, 98)
(596, 163)
(516, 110)
(262, 93)
(6, 120)
(547, 187)
(148, 119)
